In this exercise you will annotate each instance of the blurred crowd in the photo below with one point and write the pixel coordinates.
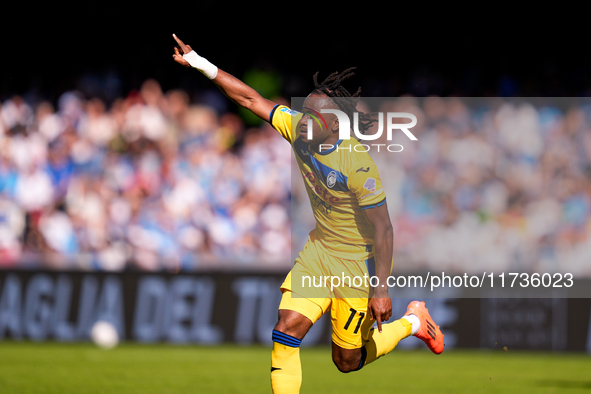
(154, 181)
(151, 181)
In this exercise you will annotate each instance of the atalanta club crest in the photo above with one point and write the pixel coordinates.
(331, 179)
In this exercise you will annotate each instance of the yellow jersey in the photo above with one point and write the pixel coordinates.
(341, 182)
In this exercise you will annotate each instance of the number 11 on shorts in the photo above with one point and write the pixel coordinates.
(353, 313)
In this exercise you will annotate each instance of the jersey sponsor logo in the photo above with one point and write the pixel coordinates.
(370, 184)
(320, 191)
(320, 205)
(366, 169)
(331, 179)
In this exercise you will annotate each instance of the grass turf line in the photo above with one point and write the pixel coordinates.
(27, 367)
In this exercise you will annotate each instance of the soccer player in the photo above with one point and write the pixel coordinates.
(353, 234)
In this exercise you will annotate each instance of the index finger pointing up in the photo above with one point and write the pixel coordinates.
(181, 44)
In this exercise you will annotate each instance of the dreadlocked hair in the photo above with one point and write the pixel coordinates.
(346, 102)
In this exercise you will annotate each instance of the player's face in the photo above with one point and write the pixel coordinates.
(325, 126)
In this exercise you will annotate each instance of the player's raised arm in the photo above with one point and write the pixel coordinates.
(232, 87)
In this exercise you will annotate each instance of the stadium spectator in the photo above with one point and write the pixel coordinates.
(152, 182)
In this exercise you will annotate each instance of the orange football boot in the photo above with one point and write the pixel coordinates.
(429, 332)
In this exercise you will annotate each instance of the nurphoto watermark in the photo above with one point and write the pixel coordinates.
(345, 131)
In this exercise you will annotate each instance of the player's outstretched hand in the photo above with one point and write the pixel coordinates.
(179, 52)
(380, 310)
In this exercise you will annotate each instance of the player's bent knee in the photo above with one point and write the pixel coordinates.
(345, 366)
(348, 361)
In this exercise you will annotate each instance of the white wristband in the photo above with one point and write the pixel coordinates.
(201, 64)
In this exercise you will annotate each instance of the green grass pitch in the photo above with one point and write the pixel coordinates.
(27, 367)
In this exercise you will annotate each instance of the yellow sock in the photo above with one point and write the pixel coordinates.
(286, 368)
(382, 343)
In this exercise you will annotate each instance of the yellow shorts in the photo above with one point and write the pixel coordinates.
(347, 302)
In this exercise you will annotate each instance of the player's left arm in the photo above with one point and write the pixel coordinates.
(380, 305)
(364, 181)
